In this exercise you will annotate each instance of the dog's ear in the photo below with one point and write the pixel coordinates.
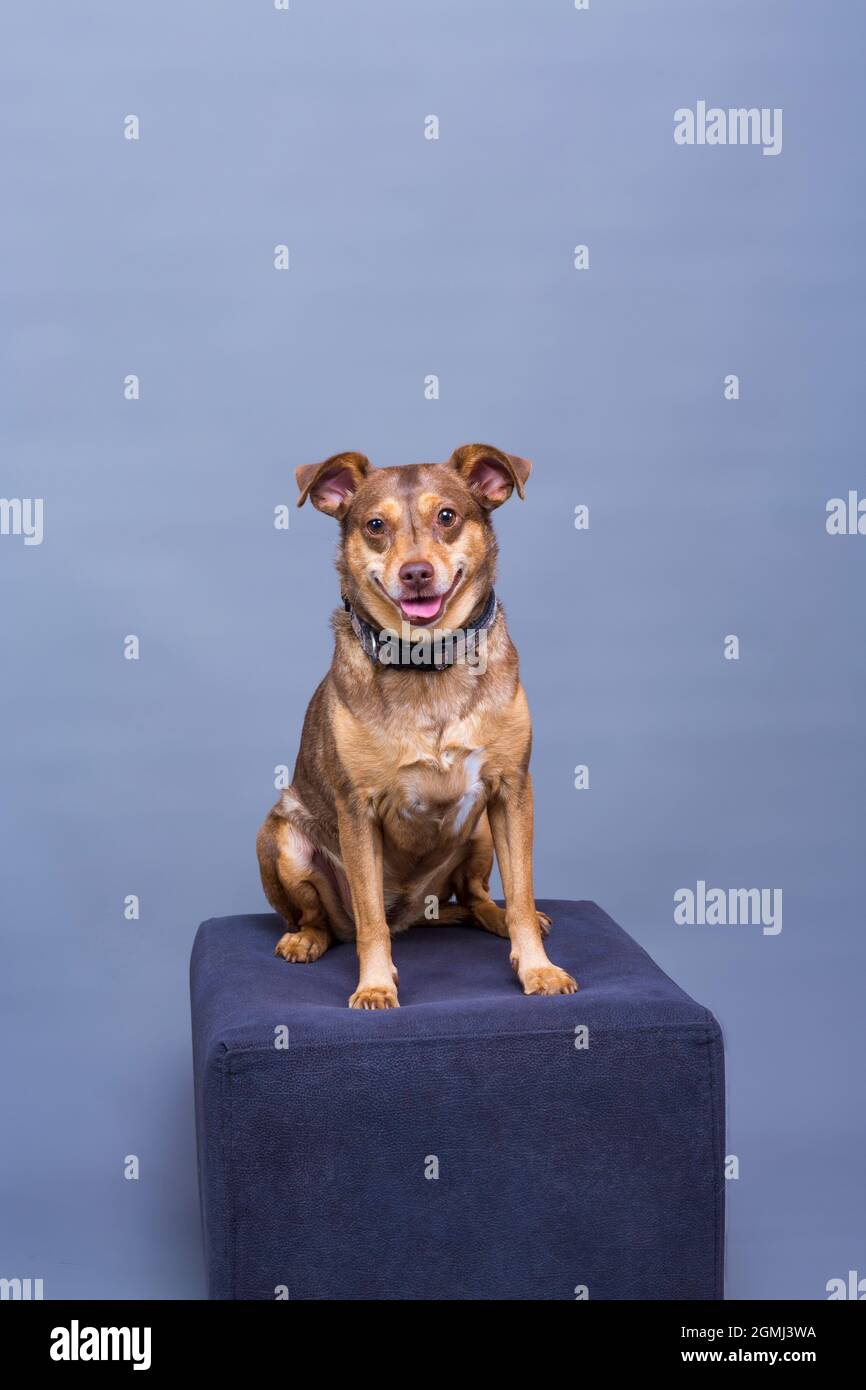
(489, 473)
(331, 485)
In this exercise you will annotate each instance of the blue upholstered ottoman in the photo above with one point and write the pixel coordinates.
(473, 1144)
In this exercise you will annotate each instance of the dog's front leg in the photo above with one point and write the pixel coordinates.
(361, 852)
(510, 814)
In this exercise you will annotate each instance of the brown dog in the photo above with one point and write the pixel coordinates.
(414, 757)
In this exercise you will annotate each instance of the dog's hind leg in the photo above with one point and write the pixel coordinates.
(292, 879)
(471, 884)
(312, 936)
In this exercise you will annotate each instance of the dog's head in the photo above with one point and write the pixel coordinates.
(417, 544)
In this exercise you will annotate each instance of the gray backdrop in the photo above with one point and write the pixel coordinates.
(411, 257)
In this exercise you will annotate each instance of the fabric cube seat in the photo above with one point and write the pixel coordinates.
(472, 1144)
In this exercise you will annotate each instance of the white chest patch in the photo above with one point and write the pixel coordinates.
(472, 787)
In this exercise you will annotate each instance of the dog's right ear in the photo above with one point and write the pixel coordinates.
(331, 485)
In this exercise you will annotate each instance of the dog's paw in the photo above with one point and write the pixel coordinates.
(302, 947)
(547, 979)
(374, 997)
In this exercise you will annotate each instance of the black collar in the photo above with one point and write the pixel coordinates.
(392, 648)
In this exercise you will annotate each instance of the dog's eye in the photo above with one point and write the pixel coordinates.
(375, 526)
(447, 517)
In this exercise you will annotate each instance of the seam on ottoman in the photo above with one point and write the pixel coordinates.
(227, 1141)
(715, 1041)
(675, 1029)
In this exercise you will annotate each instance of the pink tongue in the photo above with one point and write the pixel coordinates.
(421, 607)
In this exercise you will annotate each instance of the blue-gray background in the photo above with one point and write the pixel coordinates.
(411, 257)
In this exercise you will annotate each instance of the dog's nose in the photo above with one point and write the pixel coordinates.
(418, 572)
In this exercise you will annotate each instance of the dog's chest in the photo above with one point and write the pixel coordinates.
(434, 797)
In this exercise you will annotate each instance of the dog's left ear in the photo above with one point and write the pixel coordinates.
(331, 485)
(489, 473)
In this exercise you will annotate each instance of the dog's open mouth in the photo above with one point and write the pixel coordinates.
(423, 609)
